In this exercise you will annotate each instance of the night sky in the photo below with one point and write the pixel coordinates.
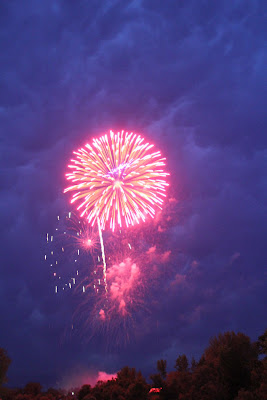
(189, 76)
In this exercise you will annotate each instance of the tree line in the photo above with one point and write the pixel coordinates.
(232, 367)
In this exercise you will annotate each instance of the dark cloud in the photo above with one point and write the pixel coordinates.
(189, 75)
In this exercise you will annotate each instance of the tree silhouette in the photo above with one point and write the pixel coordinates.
(54, 394)
(137, 390)
(181, 363)
(33, 388)
(126, 376)
(4, 364)
(193, 364)
(206, 383)
(158, 380)
(162, 368)
(231, 368)
(84, 391)
(178, 383)
(233, 356)
(262, 344)
(89, 397)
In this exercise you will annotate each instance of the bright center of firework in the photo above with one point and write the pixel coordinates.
(117, 184)
(89, 242)
(118, 172)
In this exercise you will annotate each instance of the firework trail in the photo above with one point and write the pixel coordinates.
(103, 254)
(118, 180)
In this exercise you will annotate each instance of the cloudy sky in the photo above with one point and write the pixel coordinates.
(189, 76)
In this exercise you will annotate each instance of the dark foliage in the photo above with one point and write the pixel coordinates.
(33, 388)
(262, 344)
(4, 364)
(84, 392)
(231, 368)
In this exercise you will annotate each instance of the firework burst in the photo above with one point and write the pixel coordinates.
(83, 236)
(117, 180)
(72, 246)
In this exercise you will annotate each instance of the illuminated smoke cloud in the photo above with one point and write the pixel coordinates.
(165, 256)
(79, 376)
(173, 200)
(151, 250)
(158, 257)
(102, 314)
(123, 280)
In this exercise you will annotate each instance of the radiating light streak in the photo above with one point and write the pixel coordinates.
(118, 180)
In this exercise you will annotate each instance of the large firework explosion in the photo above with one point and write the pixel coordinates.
(117, 179)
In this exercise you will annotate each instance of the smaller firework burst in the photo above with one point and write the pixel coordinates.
(71, 248)
(82, 235)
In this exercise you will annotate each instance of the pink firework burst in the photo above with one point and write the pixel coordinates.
(117, 179)
(81, 233)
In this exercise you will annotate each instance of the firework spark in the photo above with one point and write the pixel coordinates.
(117, 180)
